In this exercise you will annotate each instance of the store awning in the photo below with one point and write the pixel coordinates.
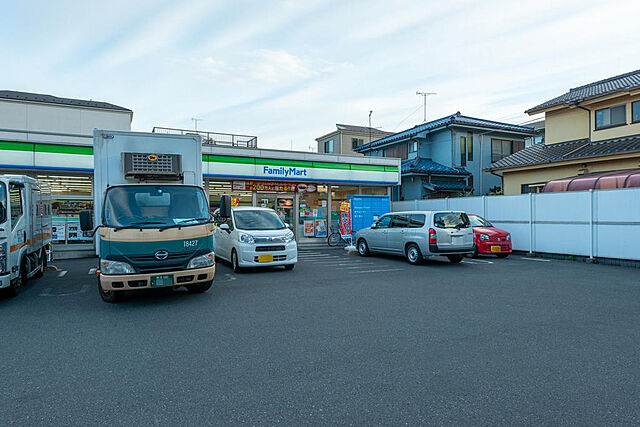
(446, 186)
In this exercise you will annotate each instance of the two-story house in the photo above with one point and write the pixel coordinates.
(346, 138)
(591, 130)
(447, 157)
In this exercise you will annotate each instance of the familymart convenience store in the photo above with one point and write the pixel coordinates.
(305, 188)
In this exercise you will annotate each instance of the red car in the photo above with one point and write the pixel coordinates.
(489, 239)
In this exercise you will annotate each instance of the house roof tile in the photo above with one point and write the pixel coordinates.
(454, 119)
(420, 165)
(571, 150)
(607, 86)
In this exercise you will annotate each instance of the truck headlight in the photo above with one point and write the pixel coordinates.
(484, 237)
(3, 257)
(115, 267)
(201, 261)
(247, 238)
(288, 237)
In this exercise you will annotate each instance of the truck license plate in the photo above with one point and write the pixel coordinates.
(265, 258)
(164, 280)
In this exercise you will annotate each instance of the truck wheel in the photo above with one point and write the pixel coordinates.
(14, 289)
(110, 296)
(455, 258)
(413, 254)
(199, 288)
(43, 264)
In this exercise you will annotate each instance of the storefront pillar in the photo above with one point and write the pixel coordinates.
(296, 215)
(328, 209)
(254, 198)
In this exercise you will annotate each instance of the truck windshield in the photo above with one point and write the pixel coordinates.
(257, 220)
(153, 206)
(3, 203)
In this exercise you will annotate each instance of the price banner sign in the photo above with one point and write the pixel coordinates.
(345, 219)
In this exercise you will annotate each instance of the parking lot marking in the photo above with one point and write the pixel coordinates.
(483, 261)
(62, 273)
(379, 271)
(536, 259)
(469, 262)
(92, 270)
(356, 262)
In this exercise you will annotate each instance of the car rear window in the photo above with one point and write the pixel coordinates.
(416, 220)
(451, 220)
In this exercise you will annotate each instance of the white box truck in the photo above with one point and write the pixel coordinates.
(154, 228)
(25, 230)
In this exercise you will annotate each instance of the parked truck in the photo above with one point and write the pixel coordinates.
(154, 228)
(25, 230)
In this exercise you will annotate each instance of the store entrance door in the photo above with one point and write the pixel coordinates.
(282, 203)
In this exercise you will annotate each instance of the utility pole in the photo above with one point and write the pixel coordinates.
(195, 121)
(424, 96)
(370, 111)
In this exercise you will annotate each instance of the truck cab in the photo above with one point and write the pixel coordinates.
(154, 226)
(25, 231)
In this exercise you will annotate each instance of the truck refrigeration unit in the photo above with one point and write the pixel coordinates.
(153, 228)
(25, 230)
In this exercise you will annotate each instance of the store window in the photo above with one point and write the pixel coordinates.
(313, 211)
(612, 116)
(328, 146)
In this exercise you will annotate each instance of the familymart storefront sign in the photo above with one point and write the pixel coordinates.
(301, 170)
(347, 169)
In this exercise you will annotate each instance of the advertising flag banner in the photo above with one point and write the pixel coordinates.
(345, 219)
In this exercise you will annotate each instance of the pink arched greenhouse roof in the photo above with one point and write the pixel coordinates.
(596, 181)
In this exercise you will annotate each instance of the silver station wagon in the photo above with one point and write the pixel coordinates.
(418, 235)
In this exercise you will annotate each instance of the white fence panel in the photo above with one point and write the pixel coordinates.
(602, 223)
(561, 223)
(513, 214)
(617, 223)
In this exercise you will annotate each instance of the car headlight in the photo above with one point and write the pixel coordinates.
(115, 267)
(201, 261)
(508, 236)
(484, 237)
(288, 237)
(247, 238)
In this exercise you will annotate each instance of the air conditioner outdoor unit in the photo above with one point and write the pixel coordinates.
(152, 166)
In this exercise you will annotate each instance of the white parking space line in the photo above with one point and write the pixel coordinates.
(378, 271)
(62, 273)
(358, 263)
(536, 259)
(92, 270)
(482, 261)
(470, 262)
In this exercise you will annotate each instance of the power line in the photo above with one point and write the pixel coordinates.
(405, 119)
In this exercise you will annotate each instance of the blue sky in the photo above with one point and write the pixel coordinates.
(287, 71)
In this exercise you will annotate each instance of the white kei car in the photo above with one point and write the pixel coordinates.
(255, 237)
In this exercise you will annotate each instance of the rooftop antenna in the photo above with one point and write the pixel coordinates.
(424, 96)
(195, 121)
(370, 112)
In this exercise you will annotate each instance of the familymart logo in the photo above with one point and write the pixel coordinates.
(284, 172)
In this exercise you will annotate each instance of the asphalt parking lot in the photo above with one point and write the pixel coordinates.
(338, 340)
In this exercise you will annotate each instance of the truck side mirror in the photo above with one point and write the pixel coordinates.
(86, 220)
(225, 206)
